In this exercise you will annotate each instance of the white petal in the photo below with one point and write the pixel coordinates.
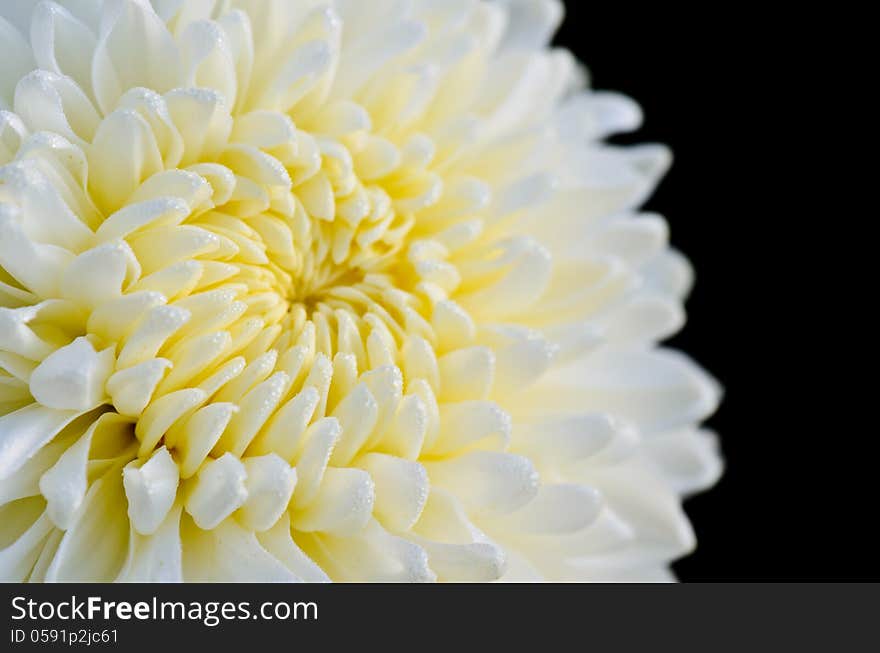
(203, 120)
(18, 558)
(270, 483)
(524, 88)
(25, 431)
(46, 216)
(228, 554)
(477, 562)
(17, 338)
(256, 407)
(12, 134)
(134, 49)
(124, 153)
(17, 61)
(152, 107)
(156, 558)
(160, 212)
(36, 266)
(357, 414)
(217, 491)
(342, 505)
(263, 129)
(556, 509)
(132, 389)
(157, 249)
(95, 548)
(651, 508)
(115, 319)
(531, 23)
(657, 390)
(26, 481)
(198, 435)
(144, 342)
(73, 377)
(406, 432)
(18, 14)
(671, 274)
(401, 489)
(62, 43)
(593, 116)
(443, 519)
(618, 179)
(646, 319)
(560, 443)
(373, 555)
(487, 482)
(237, 27)
(386, 385)
(526, 266)
(163, 413)
(87, 11)
(466, 374)
(373, 51)
(320, 438)
(100, 274)
(280, 544)
(521, 357)
(689, 460)
(284, 432)
(207, 59)
(151, 489)
(64, 485)
(190, 186)
(52, 102)
(469, 424)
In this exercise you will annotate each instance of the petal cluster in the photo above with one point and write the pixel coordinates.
(332, 290)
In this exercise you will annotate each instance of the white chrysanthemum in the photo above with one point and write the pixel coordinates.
(313, 289)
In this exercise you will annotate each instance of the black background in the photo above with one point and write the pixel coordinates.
(721, 88)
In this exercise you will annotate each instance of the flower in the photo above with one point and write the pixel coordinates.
(332, 290)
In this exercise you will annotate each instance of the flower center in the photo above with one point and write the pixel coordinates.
(305, 276)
